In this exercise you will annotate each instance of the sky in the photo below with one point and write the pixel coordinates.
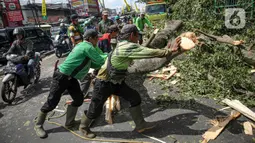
(114, 3)
(119, 3)
(108, 3)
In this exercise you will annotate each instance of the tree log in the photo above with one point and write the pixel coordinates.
(151, 38)
(162, 37)
(160, 41)
(224, 39)
(248, 54)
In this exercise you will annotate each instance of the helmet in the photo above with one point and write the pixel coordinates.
(74, 16)
(20, 31)
(117, 17)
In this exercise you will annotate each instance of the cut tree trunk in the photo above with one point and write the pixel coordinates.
(160, 41)
(162, 37)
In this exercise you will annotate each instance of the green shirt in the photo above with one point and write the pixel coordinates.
(125, 53)
(140, 23)
(103, 25)
(75, 64)
(103, 55)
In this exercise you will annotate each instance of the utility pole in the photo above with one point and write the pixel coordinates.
(31, 7)
(103, 4)
(70, 6)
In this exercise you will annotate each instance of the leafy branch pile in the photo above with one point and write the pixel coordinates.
(200, 14)
(214, 70)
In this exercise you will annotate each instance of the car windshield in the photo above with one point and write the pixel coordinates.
(3, 37)
(155, 9)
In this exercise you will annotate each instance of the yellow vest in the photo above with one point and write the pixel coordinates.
(75, 32)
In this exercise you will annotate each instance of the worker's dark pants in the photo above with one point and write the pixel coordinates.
(103, 89)
(60, 83)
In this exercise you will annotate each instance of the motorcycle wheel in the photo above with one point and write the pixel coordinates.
(9, 91)
(37, 73)
(58, 53)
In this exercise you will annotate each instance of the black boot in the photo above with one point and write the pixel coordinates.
(71, 123)
(141, 124)
(84, 127)
(40, 132)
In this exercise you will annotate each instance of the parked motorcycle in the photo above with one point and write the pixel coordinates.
(63, 45)
(16, 75)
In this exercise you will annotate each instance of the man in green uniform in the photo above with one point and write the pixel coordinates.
(140, 22)
(110, 79)
(104, 23)
(83, 57)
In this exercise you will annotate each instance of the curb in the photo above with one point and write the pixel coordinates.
(42, 56)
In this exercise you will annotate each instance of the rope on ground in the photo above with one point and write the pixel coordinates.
(51, 116)
(153, 138)
(99, 140)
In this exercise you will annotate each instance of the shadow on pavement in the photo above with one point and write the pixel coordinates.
(41, 87)
(2, 105)
(56, 130)
(1, 115)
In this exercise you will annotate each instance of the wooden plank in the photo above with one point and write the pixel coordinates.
(214, 131)
(237, 105)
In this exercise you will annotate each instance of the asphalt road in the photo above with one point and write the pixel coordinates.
(181, 122)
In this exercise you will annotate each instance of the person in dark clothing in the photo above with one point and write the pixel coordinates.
(23, 48)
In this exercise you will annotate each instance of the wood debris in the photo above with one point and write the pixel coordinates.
(165, 74)
(112, 104)
(248, 128)
(219, 125)
(237, 105)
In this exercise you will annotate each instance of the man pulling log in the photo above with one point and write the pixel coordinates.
(111, 78)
